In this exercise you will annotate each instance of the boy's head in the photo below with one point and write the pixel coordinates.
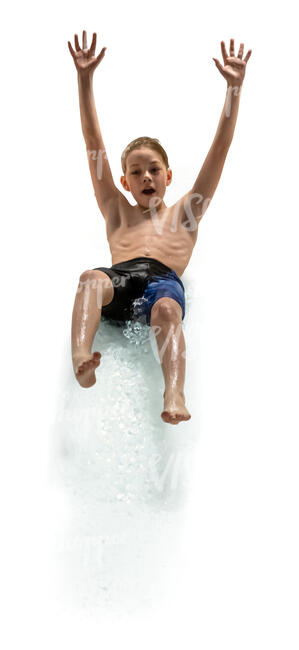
(145, 165)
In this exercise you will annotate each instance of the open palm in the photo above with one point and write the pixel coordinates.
(84, 58)
(234, 67)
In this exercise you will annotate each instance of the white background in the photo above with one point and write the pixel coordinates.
(237, 584)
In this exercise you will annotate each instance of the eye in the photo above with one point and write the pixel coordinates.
(153, 170)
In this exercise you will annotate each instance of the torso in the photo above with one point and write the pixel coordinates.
(161, 236)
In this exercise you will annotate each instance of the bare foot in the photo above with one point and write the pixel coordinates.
(174, 408)
(84, 366)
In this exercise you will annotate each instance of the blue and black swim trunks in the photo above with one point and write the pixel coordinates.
(138, 284)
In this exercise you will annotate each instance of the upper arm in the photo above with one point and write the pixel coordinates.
(200, 196)
(105, 190)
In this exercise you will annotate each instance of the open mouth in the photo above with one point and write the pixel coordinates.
(148, 191)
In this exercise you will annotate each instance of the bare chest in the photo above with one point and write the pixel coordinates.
(169, 226)
(164, 236)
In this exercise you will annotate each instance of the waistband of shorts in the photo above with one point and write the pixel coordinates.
(145, 259)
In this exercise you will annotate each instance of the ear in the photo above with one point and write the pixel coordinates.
(169, 176)
(124, 183)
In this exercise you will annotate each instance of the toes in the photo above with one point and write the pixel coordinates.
(89, 363)
(84, 366)
(171, 419)
(174, 419)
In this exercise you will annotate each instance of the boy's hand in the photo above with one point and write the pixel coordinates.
(234, 67)
(84, 58)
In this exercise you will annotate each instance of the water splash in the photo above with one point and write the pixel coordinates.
(126, 471)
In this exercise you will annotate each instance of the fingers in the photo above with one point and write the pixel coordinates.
(241, 50)
(232, 52)
(71, 49)
(218, 65)
(84, 40)
(224, 52)
(77, 46)
(101, 55)
(93, 44)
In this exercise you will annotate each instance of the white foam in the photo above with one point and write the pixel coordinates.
(126, 471)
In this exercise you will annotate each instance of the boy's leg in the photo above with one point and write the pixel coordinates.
(166, 321)
(95, 290)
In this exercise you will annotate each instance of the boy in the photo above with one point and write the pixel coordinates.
(150, 244)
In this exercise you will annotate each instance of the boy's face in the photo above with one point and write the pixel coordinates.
(146, 169)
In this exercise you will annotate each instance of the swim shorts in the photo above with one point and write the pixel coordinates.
(138, 284)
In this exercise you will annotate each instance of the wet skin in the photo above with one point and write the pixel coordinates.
(134, 231)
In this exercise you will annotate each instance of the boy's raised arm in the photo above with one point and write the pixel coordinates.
(208, 178)
(86, 62)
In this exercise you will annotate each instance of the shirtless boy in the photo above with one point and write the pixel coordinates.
(151, 244)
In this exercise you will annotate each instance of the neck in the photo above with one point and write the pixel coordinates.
(155, 208)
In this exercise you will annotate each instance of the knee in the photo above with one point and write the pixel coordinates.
(88, 276)
(93, 278)
(99, 281)
(166, 310)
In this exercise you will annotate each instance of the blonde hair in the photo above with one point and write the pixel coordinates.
(151, 143)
